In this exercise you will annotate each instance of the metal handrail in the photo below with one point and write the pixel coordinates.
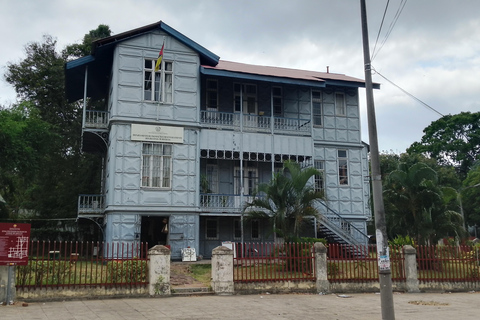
(329, 220)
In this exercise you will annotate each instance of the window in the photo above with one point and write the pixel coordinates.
(342, 167)
(212, 177)
(255, 229)
(340, 108)
(245, 97)
(211, 229)
(277, 101)
(250, 180)
(156, 165)
(212, 94)
(346, 226)
(319, 182)
(317, 108)
(158, 86)
(237, 229)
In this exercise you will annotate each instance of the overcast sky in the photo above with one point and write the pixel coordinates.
(432, 52)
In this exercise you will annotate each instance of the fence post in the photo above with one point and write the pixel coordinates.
(321, 269)
(222, 271)
(159, 271)
(7, 284)
(411, 273)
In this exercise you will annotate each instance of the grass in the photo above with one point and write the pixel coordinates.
(202, 273)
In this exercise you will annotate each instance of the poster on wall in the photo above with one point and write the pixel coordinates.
(14, 239)
(141, 132)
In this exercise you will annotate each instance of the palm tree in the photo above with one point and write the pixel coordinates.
(287, 200)
(418, 207)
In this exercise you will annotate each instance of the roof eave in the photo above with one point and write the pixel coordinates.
(258, 77)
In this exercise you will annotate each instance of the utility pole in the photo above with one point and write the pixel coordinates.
(383, 256)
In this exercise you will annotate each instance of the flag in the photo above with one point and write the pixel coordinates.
(159, 60)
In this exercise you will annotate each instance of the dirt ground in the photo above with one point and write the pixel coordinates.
(180, 276)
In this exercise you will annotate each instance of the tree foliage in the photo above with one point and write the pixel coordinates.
(452, 140)
(417, 206)
(470, 194)
(42, 169)
(287, 200)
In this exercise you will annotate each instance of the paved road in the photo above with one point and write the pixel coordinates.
(422, 306)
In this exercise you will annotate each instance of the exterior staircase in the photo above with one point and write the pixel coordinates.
(336, 229)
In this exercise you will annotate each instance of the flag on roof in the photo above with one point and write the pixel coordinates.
(159, 59)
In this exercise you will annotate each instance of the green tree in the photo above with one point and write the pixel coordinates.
(452, 140)
(63, 172)
(77, 50)
(470, 194)
(25, 140)
(418, 207)
(287, 200)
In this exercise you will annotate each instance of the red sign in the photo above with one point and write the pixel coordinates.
(14, 239)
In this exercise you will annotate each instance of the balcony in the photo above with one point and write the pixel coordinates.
(255, 123)
(223, 202)
(96, 119)
(91, 205)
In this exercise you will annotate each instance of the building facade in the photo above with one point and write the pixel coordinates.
(185, 144)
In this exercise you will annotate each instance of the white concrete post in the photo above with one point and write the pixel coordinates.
(321, 268)
(159, 271)
(222, 271)
(411, 269)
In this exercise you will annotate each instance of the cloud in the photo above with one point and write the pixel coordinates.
(433, 51)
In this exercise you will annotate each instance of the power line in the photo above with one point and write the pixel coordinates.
(392, 25)
(409, 94)
(380, 29)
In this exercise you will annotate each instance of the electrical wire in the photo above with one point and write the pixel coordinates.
(392, 25)
(409, 94)
(380, 29)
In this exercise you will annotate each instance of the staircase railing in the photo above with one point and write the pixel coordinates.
(342, 227)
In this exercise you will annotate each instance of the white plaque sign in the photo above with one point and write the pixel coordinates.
(142, 132)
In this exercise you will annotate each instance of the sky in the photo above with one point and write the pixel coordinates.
(432, 51)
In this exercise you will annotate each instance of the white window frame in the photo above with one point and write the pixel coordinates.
(250, 180)
(246, 92)
(157, 165)
(207, 220)
(211, 91)
(317, 109)
(161, 90)
(320, 179)
(340, 104)
(342, 157)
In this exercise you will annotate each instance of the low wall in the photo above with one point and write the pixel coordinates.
(275, 287)
(72, 293)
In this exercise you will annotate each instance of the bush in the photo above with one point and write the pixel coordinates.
(127, 271)
(40, 272)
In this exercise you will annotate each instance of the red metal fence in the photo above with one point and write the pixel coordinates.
(448, 263)
(255, 262)
(355, 263)
(71, 264)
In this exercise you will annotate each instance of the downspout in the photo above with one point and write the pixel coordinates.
(85, 97)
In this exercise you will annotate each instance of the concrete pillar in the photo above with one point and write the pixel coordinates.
(321, 268)
(411, 269)
(159, 271)
(7, 295)
(222, 271)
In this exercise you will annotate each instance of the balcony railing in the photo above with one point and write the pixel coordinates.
(223, 202)
(96, 119)
(91, 204)
(255, 123)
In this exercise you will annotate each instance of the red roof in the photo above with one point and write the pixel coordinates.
(282, 72)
